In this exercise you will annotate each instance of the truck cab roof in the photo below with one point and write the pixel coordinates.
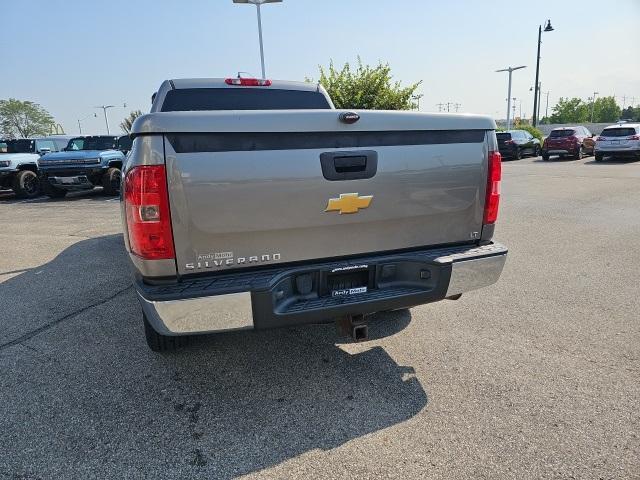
(200, 94)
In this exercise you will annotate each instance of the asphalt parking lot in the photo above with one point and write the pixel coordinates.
(535, 377)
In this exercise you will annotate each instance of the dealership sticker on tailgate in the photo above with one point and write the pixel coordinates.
(348, 291)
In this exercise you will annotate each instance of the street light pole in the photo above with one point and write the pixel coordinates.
(546, 110)
(520, 107)
(106, 119)
(257, 3)
(593, 105)
(104, 110)
(539, 100)
(547, 28)
(510, 70)
(84, 118)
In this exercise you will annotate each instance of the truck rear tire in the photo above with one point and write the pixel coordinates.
(26, 184)
(111, 181)
(161, 343)
(51, 191)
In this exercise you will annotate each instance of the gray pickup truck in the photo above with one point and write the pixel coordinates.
(252, 204)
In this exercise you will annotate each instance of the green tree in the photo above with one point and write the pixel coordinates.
(126, 124)
(24, 119)
(570, 110)
(606, 109)
(366, 87)
(631, 113)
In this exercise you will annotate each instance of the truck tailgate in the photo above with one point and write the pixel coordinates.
(248, 188)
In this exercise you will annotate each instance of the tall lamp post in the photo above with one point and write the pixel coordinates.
(84, 118)
(106, 119)
(593, 104)
(257, 3)
(104, 110)
(546, 110)
(547, 28)
(510, 70)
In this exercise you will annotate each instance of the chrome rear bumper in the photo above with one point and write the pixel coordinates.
(219, 313)
(455, 272)
(471, 275)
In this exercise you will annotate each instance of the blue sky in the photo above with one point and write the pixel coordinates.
(70, 55)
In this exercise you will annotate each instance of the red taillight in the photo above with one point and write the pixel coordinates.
(572, 139)
(600, 139)
(634, 137)
(493, 188)
(147, 211)
(248, 82)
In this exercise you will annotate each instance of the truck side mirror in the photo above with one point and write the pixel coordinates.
(44, 151)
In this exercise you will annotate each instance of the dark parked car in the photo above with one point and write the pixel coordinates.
(517, 143)
(569, 141)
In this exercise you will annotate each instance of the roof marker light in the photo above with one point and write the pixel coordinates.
(248, 82)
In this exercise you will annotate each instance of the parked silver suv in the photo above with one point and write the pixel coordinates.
(622, 140)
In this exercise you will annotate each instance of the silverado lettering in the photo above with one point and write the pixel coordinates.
(230, 261)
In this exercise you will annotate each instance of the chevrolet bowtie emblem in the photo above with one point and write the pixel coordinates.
(348, 203)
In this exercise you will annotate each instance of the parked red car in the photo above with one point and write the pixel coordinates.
(573, 141)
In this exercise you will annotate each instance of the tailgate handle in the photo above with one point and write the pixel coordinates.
(351, 165)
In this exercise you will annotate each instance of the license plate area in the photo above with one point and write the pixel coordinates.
(346, 281)
(352, 283)
(77, 180)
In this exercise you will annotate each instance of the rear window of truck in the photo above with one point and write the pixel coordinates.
(263, 98)
(561, 133)
(618, 132)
